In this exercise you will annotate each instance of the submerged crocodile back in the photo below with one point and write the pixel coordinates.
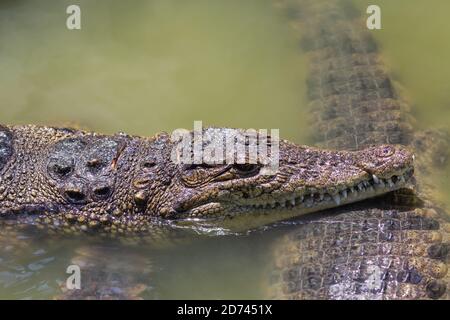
(347, 80)
(366, 251)
(393, 247)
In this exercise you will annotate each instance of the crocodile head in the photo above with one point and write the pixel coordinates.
(84, 181)
(307, 180)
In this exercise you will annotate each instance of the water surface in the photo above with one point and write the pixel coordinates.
(148, 66)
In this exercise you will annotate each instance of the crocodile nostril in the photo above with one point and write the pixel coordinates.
(102, 192)
(75, 195)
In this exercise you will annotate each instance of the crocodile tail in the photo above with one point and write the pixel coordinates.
(353, 100)
(395, 247)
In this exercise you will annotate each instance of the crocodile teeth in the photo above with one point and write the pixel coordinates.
(337, 199)
(390, 183)
(363, 186)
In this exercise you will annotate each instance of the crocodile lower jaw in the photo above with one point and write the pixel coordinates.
(323, 200)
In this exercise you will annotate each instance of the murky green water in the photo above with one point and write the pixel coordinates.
(149, 66)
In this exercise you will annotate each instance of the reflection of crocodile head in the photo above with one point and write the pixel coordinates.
(87, 181)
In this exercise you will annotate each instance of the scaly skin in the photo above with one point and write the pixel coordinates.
(394, 247)
(77, 181)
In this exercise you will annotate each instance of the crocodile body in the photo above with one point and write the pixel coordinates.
(393, 247)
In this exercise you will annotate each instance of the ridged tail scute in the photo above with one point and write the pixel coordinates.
(347, 80)
(391, 247)
(363, 254)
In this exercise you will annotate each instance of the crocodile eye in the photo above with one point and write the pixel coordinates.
(198, 166)
(385, 151)
(148, 164)
(247, 168)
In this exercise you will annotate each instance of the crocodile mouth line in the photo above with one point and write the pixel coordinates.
(313, 201)
(322, 199)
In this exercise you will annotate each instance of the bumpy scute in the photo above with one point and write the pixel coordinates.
(394, 247)
(362, 254)
(6, 148)
(84, 168)
(79, 181)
